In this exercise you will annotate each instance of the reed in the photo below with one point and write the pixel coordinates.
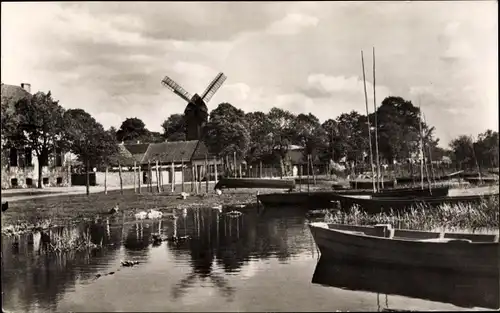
(69, 240)
(457, 216)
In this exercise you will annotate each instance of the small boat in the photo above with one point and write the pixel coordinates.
(377, 205)
(413, 192)
(460, 289)
(455, 252)
(255, 183)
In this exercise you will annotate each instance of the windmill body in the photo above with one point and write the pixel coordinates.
(196, 112)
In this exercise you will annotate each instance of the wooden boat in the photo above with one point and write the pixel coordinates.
(454, 252)
(459, 289)
(477, 180)
(309, 200)
(441, 191)
(368, 184)
(377, 205)
(255, 183)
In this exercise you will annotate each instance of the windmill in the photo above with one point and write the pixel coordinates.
(196, 112)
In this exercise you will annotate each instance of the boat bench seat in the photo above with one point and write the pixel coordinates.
(473, 237)
(416, 234)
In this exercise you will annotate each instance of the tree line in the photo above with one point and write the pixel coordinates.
(41, 123)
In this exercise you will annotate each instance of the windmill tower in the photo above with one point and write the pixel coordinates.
(196, 112)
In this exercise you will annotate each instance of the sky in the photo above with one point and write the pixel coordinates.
(109, 58)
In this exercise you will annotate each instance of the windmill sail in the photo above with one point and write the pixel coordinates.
(176, 88)
(213, 87)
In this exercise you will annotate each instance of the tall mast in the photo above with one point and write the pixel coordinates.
(376, 126)
(368, 123)
(421, 147)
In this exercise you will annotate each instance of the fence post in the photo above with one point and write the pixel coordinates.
(215, 169)
(157, 177)
(182, 178)
(106, 181)
(300, 177)
(260, 169)
(139, 172)
(172, 173)
(135, 173)
(207, 173)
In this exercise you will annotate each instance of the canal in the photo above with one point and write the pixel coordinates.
(264, 261)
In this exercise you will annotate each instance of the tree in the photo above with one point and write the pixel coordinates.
(132, 129)
(40, 126)
(399, 129)
(281, 132)
(333, 141)
(307, 132)
(174, 128)
(88, 140)
(227, 131)
(462, 150)
(486, 148)
(259, 127)
(354, 133)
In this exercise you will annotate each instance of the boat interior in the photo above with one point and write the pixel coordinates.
(386, 231)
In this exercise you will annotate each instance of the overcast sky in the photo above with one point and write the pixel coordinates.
(109, 58)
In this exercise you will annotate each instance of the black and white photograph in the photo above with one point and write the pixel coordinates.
(249, 156)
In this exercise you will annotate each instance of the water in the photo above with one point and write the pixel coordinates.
(255, 262)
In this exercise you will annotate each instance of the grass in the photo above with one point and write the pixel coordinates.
(47, 212)
(461, 216)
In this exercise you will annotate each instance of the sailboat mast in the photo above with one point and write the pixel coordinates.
(421, 146)
(376, 125)
(368, 123)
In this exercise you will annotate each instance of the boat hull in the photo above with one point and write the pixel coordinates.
(479, 258)
(378, 205)
(255, 183)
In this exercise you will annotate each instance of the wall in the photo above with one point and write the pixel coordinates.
(113, 177)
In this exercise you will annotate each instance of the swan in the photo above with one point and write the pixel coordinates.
(154, 214)
(141, 215)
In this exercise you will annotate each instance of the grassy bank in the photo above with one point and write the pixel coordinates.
(43, 213)
(458, 216)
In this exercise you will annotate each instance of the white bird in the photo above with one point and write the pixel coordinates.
(141, 215)
(218, 192)
(217, 207)
(154, 214)
(184, 195)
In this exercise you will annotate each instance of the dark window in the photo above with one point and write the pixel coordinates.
(13, 182)
(13, 157)
(59, 180)
(45, 180)
(58, 157)
(28, 157)
(29, 182)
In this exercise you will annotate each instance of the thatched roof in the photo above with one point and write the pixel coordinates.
(122, 157)
(11, 94)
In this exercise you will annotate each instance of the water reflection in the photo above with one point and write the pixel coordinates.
(458, 289)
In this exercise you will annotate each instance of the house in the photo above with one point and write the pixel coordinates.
(179, 155)
(19, 167)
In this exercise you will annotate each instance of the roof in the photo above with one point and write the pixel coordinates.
(123, 156)
(167, 152)
(11, 94)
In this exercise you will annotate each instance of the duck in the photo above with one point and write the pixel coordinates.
(129, 263)
(141, 215)
(218, 192)
(234, 213)
(158, 238)
(154, 214)
(184, 195)
(5, 206)
(114, 209)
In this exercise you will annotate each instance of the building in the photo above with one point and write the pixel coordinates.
(19, 167)
(179, 155)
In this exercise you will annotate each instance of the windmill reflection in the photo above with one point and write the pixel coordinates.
(203, 249)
